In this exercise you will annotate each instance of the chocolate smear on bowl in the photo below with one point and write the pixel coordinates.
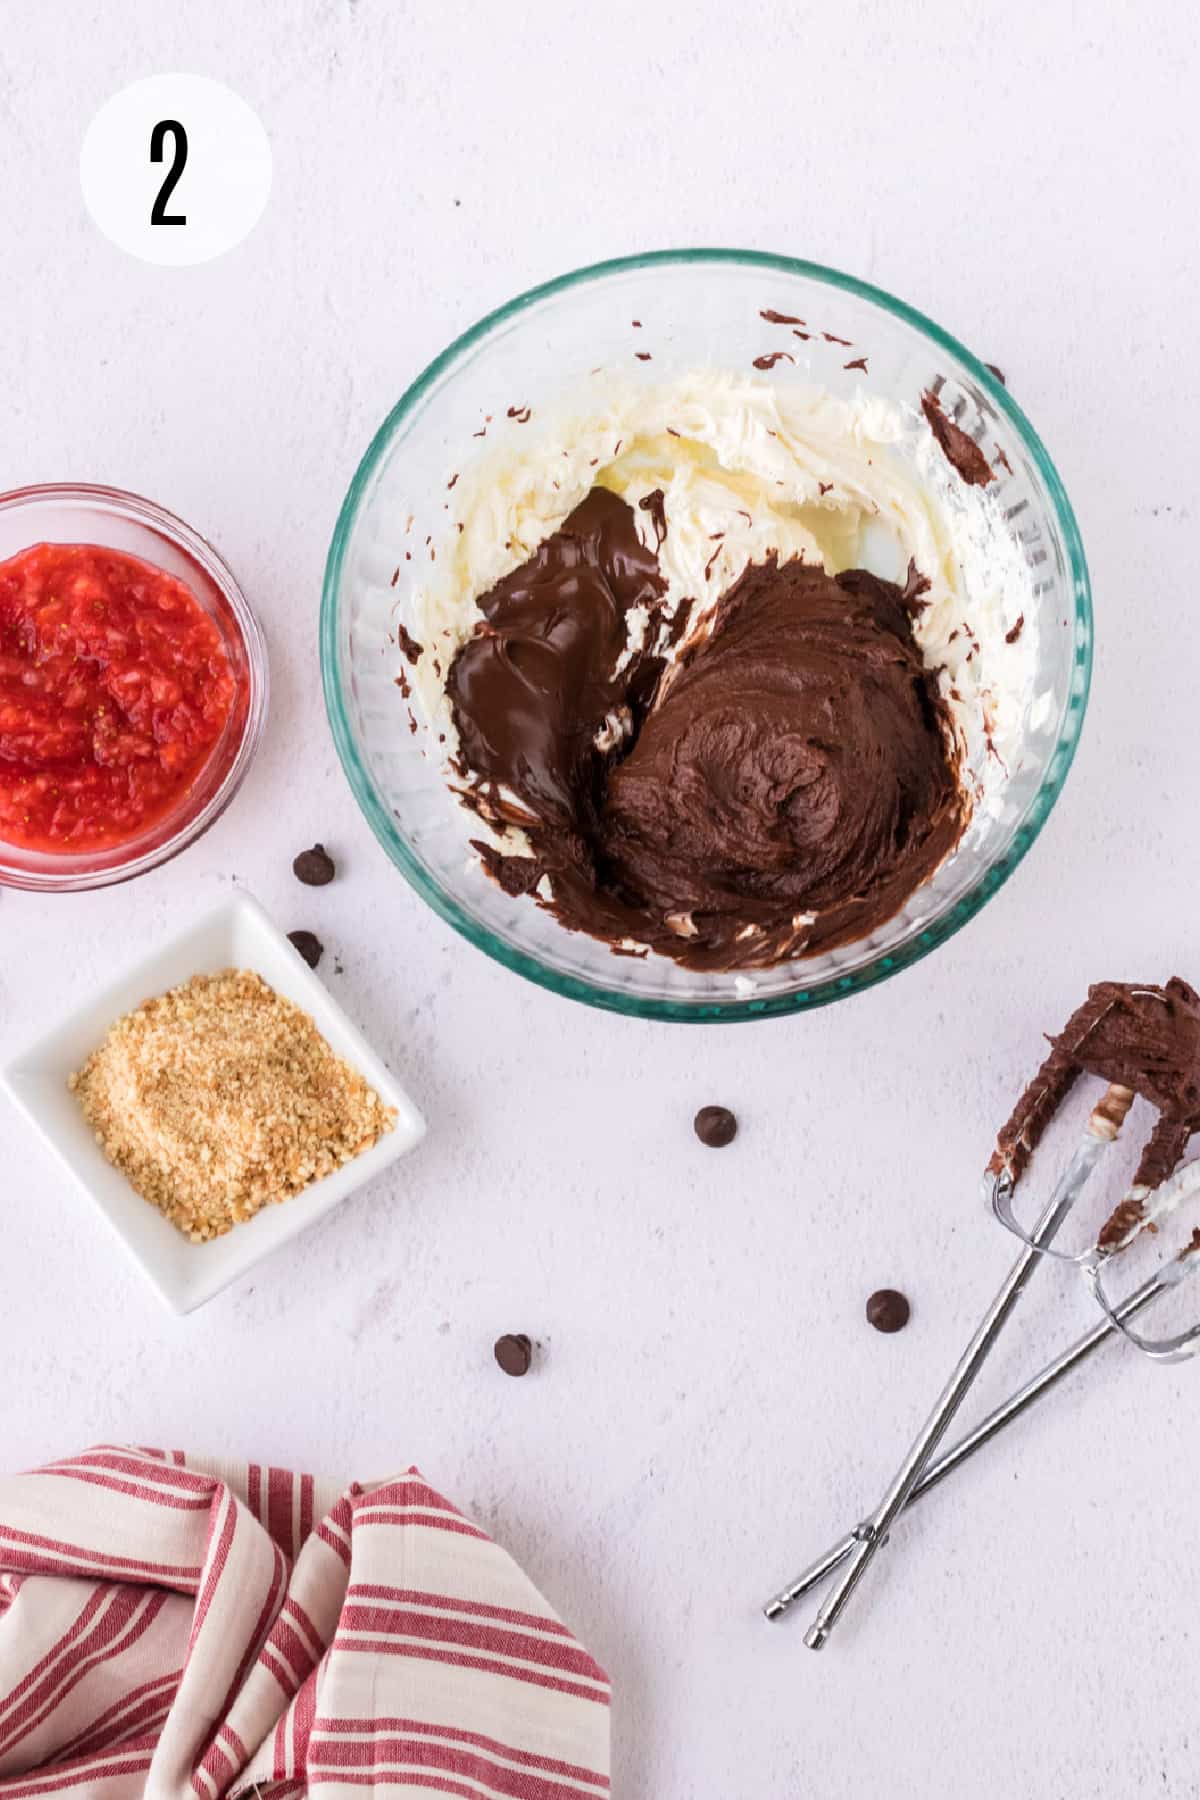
(516, 875)
(960, 450)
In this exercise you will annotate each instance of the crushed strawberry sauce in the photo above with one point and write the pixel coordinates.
(115, 686)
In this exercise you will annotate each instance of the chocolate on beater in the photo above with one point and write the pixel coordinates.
(1140, 1036)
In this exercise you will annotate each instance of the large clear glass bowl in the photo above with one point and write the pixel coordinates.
(696, 307)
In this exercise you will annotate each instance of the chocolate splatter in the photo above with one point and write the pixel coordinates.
(915, 584)
(655, 504)
(408, 643)
(960, 450)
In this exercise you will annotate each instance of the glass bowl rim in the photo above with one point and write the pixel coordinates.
(143, 511)
(624, 1001)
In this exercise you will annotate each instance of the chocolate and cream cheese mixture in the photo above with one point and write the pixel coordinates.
(724, 670)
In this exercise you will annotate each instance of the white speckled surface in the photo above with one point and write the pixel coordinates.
(709, 1405)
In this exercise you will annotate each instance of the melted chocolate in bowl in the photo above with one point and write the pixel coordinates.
(781, 788)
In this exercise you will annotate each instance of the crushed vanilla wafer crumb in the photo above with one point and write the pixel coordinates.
(221, 1097)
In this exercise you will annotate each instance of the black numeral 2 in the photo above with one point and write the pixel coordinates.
(157, 142)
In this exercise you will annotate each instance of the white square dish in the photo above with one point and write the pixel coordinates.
(239, 935)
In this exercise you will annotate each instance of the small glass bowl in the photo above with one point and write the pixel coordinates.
(64, 513)
(684, 308)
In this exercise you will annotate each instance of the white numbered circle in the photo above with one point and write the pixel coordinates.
(176, 169)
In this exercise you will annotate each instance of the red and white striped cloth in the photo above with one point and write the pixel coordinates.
(177, 1629)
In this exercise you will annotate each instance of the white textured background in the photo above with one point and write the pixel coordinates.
(709, 1405)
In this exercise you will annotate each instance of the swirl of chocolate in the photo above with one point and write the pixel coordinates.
(797, 762)
(782, 788)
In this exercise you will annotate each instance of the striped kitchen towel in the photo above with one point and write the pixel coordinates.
(174, 1628)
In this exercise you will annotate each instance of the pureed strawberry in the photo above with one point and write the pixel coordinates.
(115, 687)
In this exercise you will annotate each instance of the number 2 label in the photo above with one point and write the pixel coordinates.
(158, 213)
(181, 151)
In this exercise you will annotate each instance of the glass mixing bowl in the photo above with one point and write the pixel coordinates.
(697, 307)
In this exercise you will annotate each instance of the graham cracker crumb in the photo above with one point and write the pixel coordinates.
(221, 1097)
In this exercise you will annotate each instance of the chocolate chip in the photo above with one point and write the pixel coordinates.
(309, 945)
(314, 867)
(514, 1353)
(888, 1310)
(998, 373)
(715, 1126)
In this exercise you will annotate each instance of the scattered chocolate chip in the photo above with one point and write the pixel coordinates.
(769, 361)
(715, 1126)
(314, 867)
(514, 1353)
(1014, 631)
(860, 362)
(888, 1310)
(779, 318)
(309, 945)
(998, 373)
(408, 642)
(643, 355)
